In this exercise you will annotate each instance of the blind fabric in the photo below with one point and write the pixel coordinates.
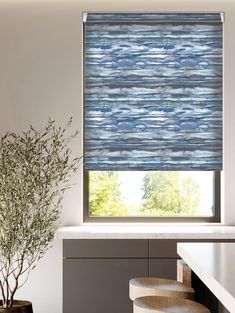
(153, 91)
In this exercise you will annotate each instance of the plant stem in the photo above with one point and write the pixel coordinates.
(16, 282)
(7, 282)
(3, 294)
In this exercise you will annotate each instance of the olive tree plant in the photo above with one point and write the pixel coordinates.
(35, 171)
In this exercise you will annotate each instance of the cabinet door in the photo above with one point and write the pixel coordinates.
(105, 248)
(167, 248)
(163, 268)
(99, 285)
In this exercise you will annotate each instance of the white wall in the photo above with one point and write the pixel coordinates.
(40, 76)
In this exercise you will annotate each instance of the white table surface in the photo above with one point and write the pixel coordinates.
(150, 231)
(214, 264)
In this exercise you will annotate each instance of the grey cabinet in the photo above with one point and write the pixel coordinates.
(167, 248)
(105, 248)
(96, 272)
(163, 268)
(162, 258)
(163, 248)
(100, 285)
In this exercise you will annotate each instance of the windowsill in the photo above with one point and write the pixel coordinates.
(136, 231)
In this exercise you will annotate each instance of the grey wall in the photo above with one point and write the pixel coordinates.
(40, 76)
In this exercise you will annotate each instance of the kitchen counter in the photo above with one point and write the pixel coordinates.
(214, 264)
(146, 232)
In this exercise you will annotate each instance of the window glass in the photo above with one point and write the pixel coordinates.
(152, 193)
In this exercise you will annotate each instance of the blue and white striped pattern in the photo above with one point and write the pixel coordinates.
(153, 91)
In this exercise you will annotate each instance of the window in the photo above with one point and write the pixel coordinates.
(153, 115)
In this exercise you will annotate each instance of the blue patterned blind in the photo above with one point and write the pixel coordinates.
(153, 91)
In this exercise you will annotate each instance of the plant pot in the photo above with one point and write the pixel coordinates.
(18, 307)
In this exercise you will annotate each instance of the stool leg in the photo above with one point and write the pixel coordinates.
(184, 273)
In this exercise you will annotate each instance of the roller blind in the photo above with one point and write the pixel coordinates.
(153, 91)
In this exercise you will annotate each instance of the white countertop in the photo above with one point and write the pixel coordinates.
(214, 264)
(146, 232)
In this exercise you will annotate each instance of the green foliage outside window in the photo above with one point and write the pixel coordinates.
(164, 194)
(105, 197)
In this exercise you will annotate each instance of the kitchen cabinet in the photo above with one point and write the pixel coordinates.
(96, 272)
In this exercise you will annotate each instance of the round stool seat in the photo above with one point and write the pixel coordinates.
(150, 286)
(155, 304)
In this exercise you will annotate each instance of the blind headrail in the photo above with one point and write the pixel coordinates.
(149, 18)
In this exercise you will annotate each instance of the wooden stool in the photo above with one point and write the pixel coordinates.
(149, 286)
(155, 304)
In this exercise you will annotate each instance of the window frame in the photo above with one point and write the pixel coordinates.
(216, 218)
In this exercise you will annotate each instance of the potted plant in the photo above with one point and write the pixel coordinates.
(35, 171)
